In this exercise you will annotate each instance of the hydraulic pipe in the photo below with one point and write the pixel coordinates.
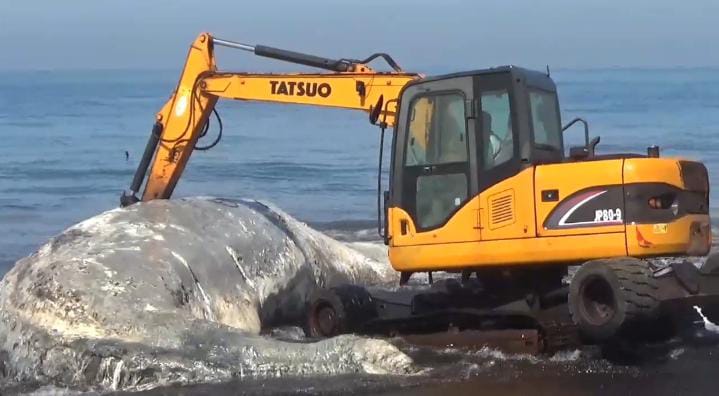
(141, 170)
(289, 56)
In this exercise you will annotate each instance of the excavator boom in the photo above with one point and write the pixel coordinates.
(349, 84)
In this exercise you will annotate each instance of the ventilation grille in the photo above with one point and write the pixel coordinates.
(501, 209)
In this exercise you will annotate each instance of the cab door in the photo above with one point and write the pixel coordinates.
(434, 171)
(506, 184)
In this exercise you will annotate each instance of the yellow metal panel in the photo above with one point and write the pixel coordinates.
(569, 249)
(182, 118)
(462, 226)
(653, 170)
(569, 178)
(645, 240)
(501, 209)
(507, 208)
(318, 89)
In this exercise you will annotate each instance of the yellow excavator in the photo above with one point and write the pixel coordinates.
(480, 184)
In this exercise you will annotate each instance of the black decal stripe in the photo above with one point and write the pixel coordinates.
(579, 210)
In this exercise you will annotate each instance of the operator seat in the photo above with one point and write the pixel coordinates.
(490, 143)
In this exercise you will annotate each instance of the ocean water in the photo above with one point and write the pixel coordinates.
(65, 133)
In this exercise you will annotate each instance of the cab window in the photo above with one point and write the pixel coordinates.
(545, 120)
(497, 138)
(437, 130)
(436, 153)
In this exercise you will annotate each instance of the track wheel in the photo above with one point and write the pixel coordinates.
(338, 310)
(612, 297)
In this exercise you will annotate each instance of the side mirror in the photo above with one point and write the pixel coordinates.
(584, 152)
(376, 110)
(586, 128)
(578, 152)
(593, 145)
(581, 152)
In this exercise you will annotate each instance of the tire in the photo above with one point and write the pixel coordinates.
(611, 297)
(338, 310)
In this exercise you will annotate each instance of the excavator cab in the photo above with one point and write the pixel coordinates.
(480, 180)
(459, 134)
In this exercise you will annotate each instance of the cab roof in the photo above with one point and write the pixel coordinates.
(530, 77)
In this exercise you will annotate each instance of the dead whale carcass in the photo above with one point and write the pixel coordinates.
(177, 291)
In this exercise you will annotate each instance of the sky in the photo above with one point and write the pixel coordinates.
(420, 34)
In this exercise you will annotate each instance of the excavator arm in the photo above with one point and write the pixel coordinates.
(349, 84)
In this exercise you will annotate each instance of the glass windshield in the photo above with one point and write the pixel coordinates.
(437, 131)
(497, 139)
(437, 142)
(545, 120)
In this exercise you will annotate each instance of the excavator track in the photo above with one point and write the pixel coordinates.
(559, 335)
(442, 317)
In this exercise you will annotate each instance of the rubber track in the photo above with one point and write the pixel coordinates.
(559, 335)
